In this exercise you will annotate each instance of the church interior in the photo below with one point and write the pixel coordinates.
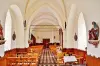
(49, 33)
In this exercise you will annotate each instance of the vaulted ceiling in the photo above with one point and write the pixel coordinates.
(45, 12)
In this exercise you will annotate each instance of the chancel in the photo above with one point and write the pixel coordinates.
(49, 33)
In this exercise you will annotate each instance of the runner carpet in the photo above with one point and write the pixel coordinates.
(47, 58)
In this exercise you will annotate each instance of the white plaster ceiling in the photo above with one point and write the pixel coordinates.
(45, 11)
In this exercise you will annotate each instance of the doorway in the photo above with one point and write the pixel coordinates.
(46, 43)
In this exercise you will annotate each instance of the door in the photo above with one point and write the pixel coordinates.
(46, 43)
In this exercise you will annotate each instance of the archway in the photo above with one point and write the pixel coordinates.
(14, 24)
(34, 14)
(18, 26)
(33, 40)
(39, 30)
(82, 36)
(8, 30)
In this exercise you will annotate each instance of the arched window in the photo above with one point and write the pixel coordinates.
(8, 27)
(82, 37)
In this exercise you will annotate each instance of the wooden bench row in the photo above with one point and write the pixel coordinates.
(92, 61)
(23, 57)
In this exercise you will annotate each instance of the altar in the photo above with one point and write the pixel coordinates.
(70, 60)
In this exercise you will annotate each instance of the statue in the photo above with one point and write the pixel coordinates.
(1, 33)
(2, 41)
(94, 32)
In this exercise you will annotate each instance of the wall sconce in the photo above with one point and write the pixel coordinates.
(24, 23)
(54, 37)
(14, 36)
(75, 37)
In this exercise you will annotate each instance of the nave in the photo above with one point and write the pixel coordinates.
(73, 24)
(40, 56)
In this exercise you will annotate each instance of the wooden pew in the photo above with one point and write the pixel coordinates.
(80, 55)
(92, 61)
(21, 61)
(2, 61)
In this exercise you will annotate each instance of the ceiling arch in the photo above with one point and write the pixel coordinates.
(46, 6)
(46, 22)
(41, 19)
(34, 7)
(57, 5)
(51, 10)
(45, 14)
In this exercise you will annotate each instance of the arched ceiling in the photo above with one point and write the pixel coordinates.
(45, 11)
(45, 16)
(48, 27)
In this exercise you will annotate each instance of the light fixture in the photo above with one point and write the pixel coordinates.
(24, 23)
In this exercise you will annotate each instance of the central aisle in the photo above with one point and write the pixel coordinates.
(47, 58)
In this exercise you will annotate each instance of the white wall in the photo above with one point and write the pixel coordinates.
(18, 26)
(8, 31)
(1, 50)
(43, 34)
(91, 11)
(70, 27)
(82, 36)
(4, 6)
(13, 42)
(64, 38)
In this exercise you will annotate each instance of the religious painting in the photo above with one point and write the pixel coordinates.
(94, 32)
